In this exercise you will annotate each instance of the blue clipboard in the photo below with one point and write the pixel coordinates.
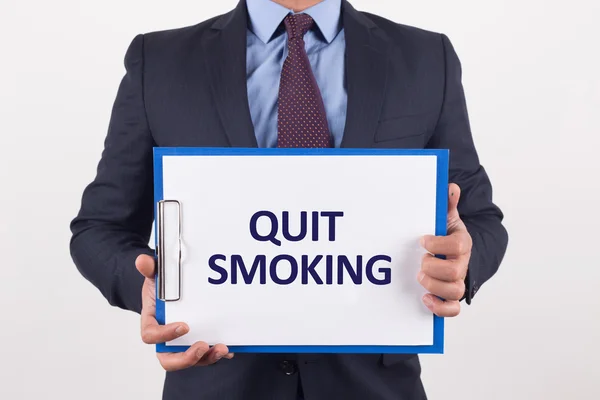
(442, 156)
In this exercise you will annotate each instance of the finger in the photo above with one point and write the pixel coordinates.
(453, 245)
(453, 198)
(153, 333)
(149, 297)
(189, 358)
(146, 265)
(441, 308)
(445, 290)
(213, 355)
(450, 270)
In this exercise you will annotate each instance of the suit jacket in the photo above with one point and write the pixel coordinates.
(187, 87)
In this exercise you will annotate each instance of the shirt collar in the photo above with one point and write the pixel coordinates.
(266, 16)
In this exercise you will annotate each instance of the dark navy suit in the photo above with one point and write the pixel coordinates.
(187, 87)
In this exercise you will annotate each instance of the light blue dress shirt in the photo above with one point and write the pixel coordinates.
(267, 50)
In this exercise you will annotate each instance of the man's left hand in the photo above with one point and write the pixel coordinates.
(445, 279)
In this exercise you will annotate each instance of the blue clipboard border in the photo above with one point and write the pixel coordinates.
(440, 230)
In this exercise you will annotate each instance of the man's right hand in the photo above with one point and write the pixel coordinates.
(199, 354)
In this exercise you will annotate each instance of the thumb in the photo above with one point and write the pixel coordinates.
(146, 265)
(453, 198)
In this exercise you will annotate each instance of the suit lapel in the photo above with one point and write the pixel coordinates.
(225, 56)
(366, 74)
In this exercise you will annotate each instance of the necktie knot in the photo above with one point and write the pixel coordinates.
(297, 25)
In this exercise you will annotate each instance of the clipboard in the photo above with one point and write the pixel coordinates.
(210, 255)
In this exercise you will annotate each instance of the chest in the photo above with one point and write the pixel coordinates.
(189, 107)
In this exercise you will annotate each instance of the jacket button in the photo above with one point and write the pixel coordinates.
(288, 367)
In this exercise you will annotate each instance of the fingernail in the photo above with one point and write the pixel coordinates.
(421, 276)
(422, 241)
(229, 356)
(200, 353)
(180, 330)
(427, 301)
(219, 356)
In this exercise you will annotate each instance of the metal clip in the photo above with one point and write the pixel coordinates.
(160, 221)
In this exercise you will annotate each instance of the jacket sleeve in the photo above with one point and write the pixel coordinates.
(481, 216)
(114, 223)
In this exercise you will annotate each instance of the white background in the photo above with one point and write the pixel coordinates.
(531, 78)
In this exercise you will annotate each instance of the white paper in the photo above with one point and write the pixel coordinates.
(388, 204)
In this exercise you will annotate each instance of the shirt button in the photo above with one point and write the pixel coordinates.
(288, 367)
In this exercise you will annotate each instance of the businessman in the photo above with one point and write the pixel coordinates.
(285, 73)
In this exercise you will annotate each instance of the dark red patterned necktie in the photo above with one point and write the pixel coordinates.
(301, 120)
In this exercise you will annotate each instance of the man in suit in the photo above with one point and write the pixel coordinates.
(321, 75)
